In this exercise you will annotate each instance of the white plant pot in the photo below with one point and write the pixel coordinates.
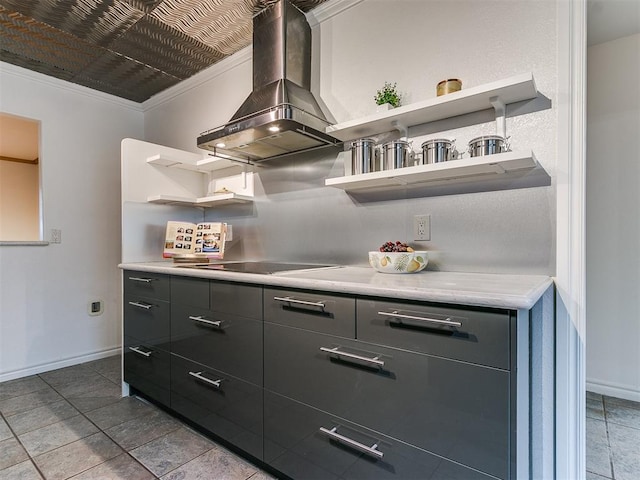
(384, 107)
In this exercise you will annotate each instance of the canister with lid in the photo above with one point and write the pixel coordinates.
(363, 156)
(438, 150)
(396, 154)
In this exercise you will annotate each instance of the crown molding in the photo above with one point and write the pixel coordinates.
(16, 71)
(329, 9)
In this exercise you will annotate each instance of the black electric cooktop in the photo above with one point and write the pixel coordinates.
(264, 268)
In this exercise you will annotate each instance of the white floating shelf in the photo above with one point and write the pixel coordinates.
(510, 90)
(199, 164)
(466, 168)
(210, 201)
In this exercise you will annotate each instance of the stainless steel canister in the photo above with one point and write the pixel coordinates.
(396, 154)
(487, 145)
(363, 156)
(438, 150)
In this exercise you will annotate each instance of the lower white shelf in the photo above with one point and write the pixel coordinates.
(210, 201)
(454, 170)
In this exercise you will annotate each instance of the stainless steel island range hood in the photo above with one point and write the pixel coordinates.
(281, 115)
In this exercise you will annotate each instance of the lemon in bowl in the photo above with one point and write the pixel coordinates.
(398, 262)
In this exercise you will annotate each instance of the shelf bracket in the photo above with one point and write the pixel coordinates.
(404, 131)
(501, 116)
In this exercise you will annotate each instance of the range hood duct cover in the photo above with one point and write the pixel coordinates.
(281, 115)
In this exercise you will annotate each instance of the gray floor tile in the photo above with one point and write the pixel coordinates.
(217, 463)
(77, 457)
(57, 434)
(86, 383)
(109, 367)
(21, 471)
(622, 414)
(170, 451)
(260, 475)
(590, 476)
(625, 450)
(122, 467)
(12, 453)
(61, 376)
(41, 417)
(595, 408)
(139, 431)
(29, 401)
(621, 401)
(5, 432)
(94, 399)
(597, 448)
(122, 411)
(593, 396)
(21, 386)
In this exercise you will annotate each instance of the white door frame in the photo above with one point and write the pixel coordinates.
(570, 237)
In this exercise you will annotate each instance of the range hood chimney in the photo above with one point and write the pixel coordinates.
(281, 115)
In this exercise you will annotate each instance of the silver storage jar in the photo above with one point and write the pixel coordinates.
(438, 150)
(487, 145)
(363, 156)
(396, 154)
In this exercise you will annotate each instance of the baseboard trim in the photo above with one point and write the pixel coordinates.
(67, 362)
(611, 390)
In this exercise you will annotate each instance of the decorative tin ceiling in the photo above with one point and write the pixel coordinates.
(129, 48)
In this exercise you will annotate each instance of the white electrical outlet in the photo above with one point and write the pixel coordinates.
(421, 227)
(56, 235)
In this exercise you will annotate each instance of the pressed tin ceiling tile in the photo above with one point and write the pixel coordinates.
(125, 77)
(34, 40)
(153, 42)
(129, 48)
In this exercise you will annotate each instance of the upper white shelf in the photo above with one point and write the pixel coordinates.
(510, 90)
(451, 171)
(210, 201)
(203, 165)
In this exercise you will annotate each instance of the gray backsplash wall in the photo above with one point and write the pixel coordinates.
(296, 218)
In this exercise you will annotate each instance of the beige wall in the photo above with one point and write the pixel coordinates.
(19, 201)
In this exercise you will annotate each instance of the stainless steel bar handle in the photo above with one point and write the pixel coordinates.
(336, 351)
(299, 302)
(137, 350)
(140, 279)
(372, 450)
(198, 375)
(448, 321)
(146, 306)
(201, 319)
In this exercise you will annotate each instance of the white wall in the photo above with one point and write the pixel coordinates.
(613, 224)
(44, 290)
(19, 201)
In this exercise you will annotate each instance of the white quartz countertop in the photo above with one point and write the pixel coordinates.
(479, 289)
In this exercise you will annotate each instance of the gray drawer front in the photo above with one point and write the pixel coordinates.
(190, 291)
(233, 411)
(319, 312)
(237, 299)
(145, 284)
(225, 342)
(147, 320)
(295, 446)
(482, 337)
(147, 369)
(451, 408)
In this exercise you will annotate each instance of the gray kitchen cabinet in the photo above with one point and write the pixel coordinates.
(216, 358)
(306, 443)
(459, 410)
(147, 334)
(327, 385)
(221, 403)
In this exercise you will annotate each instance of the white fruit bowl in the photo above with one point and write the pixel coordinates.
(398, 262)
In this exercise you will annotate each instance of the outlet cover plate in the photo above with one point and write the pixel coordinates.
(421, 228)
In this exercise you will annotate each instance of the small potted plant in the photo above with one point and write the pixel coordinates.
(387, 97)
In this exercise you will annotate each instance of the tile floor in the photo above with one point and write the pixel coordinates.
(73, 423)
(613, 438)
